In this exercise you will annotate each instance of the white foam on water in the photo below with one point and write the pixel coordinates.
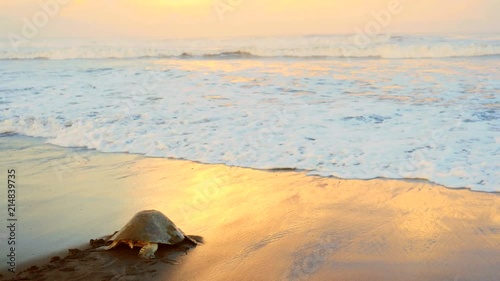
(333, 46)
(436, 119)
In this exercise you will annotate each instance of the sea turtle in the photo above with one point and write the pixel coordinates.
(147, 229)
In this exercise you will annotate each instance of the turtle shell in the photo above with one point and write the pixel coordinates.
(150, 226)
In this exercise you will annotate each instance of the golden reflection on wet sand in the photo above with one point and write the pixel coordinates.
(263, 225)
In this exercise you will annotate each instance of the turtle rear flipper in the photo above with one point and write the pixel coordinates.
(197, 240)
(148, 251)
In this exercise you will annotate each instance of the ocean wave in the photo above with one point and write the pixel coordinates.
(362, 119)
(351, 119)
(395, 47)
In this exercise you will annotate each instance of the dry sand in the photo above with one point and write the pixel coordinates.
(257, 225)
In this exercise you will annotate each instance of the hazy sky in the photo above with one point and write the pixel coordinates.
(206, 18)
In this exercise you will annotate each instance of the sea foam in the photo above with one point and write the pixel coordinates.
(334, 46)
(435, 119)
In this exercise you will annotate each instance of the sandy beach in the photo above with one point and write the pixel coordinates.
(269, 140)
(256, 225)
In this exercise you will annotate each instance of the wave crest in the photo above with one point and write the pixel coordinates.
(392, 47)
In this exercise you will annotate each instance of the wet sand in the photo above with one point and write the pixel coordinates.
(256, 225)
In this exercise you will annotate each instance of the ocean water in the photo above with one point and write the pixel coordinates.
(405, 106)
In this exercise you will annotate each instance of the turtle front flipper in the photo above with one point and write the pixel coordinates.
(105, 248)
(148, 251)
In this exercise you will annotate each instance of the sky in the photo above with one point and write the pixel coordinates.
(223, 18)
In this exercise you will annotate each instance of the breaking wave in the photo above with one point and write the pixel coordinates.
(387, 47)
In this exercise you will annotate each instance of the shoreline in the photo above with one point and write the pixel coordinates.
(308, 226)
(271, 170)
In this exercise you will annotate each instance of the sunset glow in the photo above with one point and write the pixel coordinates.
(175, 3)
(208, 18)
